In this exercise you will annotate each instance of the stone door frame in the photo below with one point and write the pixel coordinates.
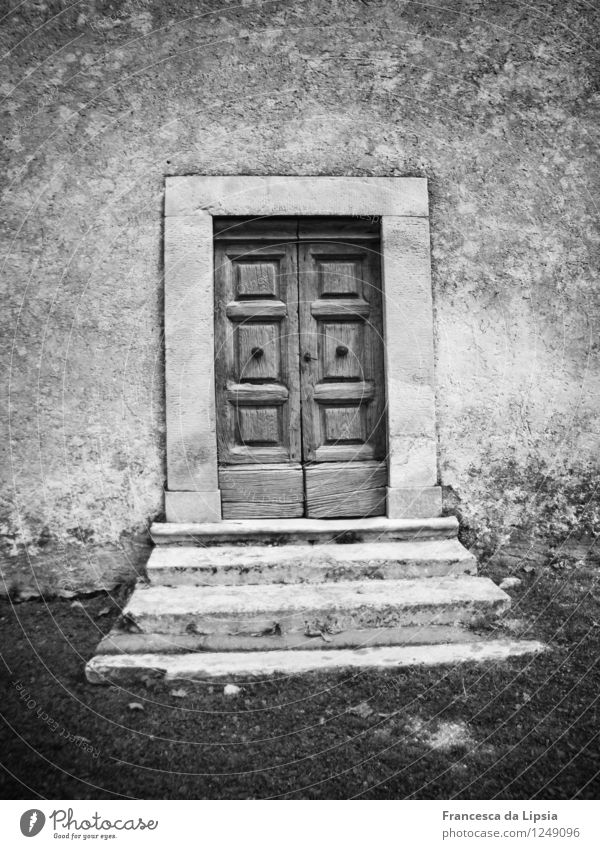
(192, 493)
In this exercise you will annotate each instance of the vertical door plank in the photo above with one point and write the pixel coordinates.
(342, 379)
(257, 379)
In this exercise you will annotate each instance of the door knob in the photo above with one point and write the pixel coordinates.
(257, 353)
(307, 357)
(341, 350)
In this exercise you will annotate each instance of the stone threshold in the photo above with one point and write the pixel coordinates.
(281, 531)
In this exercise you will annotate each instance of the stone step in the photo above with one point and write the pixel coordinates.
(202, 666)
(286, 531)
(124, 642)
(296, 564)
(257, 610)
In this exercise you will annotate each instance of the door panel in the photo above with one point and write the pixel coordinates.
(343, 352)
(335, 490)
(257, 380)
(267, 492)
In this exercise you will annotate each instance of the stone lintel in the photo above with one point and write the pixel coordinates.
(278, 195)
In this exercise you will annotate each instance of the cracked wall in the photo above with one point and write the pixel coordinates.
(495, 102)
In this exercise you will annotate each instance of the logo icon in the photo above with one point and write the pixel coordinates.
(32, 822)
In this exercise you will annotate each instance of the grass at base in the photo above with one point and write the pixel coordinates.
(526, 728)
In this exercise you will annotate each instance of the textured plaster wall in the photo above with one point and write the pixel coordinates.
(495, 102)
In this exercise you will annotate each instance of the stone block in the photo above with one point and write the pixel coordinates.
(414, 502)
(182, 507)
(189, 354)
(281, 195)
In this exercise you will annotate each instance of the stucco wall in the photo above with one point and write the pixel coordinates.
(495, 102)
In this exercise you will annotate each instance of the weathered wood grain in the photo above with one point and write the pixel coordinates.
(339, 228)
(262, 393)
(335, 393)
(248, 310)
(272, 228)
(265, 491)
(345, 489)
(340, 308)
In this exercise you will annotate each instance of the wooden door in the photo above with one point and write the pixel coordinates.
(299, 369)
(257, 381)
(342, 378)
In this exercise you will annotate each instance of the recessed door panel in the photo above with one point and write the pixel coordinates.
(258, 351)
(256, 278)
(344, 425)
(338, 277)
(341, 348)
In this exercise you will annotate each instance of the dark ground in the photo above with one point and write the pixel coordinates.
(527, 728)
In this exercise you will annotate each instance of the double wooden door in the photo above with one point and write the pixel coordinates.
(299, 369)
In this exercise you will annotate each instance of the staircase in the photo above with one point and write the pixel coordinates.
(248, 598)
